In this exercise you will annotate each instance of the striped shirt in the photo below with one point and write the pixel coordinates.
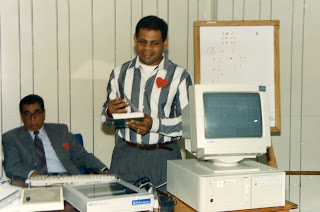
(163, 101)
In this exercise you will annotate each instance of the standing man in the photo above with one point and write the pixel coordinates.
(42, 148)
(157, 87)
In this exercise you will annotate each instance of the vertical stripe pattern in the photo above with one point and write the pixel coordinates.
(163, 104)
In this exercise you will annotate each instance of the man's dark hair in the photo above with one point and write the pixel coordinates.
(31, 99)
(153, 23)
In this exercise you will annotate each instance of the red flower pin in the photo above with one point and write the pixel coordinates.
(66, 146)
(161, 82)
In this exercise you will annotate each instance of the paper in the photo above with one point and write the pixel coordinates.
(8, 194)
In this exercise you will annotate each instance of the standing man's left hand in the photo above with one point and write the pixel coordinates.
(142, 127)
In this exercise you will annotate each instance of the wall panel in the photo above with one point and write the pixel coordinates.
(149, 7)
(281, 143)
(225, 10)
(310, 195)
(1, 152)
(310, 146)
(45, 55)
(206, 10)
(265, 9)
(192, 17)
(239, 9)
(10, 52)
(177, 50)
(10, 67)
(124, 39)
(63, 46)
(135, 17)
(26, 47)
(296, 97)
(81, 87)
(103, 63)
(310, 77)
(163, 9)
(252, 10)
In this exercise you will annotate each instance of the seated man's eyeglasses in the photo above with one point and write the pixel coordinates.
(35, 114)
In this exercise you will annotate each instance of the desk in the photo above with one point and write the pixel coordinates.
(182, 207)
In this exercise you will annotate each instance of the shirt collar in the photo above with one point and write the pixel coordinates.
(40, 131)
(160, 66)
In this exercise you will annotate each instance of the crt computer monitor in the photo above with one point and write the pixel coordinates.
(226, 122)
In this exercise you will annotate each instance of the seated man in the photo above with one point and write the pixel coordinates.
(43, 148)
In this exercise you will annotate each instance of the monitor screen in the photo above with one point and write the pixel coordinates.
(232, 115)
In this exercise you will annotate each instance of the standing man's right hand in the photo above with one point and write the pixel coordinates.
(117, 106)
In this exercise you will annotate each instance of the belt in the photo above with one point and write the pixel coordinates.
(152, 146)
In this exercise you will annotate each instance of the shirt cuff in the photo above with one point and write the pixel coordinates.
(155, 124)
(105, 118)
(104, 169)
(30, 173)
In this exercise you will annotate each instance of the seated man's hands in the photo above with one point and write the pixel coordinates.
(141, 127)
(34, 174)
(117, 106)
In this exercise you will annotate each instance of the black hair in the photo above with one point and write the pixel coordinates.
(153, 23)
(31, 99)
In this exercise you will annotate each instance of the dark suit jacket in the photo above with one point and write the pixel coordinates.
(19, 151)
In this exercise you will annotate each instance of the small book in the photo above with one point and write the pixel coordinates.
(120, 119)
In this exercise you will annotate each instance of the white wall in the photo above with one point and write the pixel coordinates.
(64, 50)
(298, 147)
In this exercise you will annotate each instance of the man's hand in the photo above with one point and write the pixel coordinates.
(141, 127)
(34, 174)
(117, 106)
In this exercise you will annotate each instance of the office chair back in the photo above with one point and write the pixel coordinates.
(79, 138)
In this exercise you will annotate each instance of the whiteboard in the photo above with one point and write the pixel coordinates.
(240, 54)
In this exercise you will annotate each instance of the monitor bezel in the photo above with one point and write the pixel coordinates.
(205, 148)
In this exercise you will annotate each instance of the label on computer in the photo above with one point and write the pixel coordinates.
(141, 201)
(262, 88)
(221, 183)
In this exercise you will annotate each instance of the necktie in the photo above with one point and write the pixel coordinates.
(40, 155)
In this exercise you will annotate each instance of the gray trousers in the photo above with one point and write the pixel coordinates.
(130, 164)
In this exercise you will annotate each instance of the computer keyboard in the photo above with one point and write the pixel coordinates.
(48, 180)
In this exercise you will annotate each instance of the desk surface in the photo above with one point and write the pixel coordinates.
(182, 207)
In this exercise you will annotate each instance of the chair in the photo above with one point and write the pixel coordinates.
(79, 138)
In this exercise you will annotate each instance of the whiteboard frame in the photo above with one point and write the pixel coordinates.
(275, 130)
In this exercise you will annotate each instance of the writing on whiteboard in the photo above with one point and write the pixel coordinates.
(238, 54)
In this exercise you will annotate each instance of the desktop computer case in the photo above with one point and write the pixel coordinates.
(198, 186)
